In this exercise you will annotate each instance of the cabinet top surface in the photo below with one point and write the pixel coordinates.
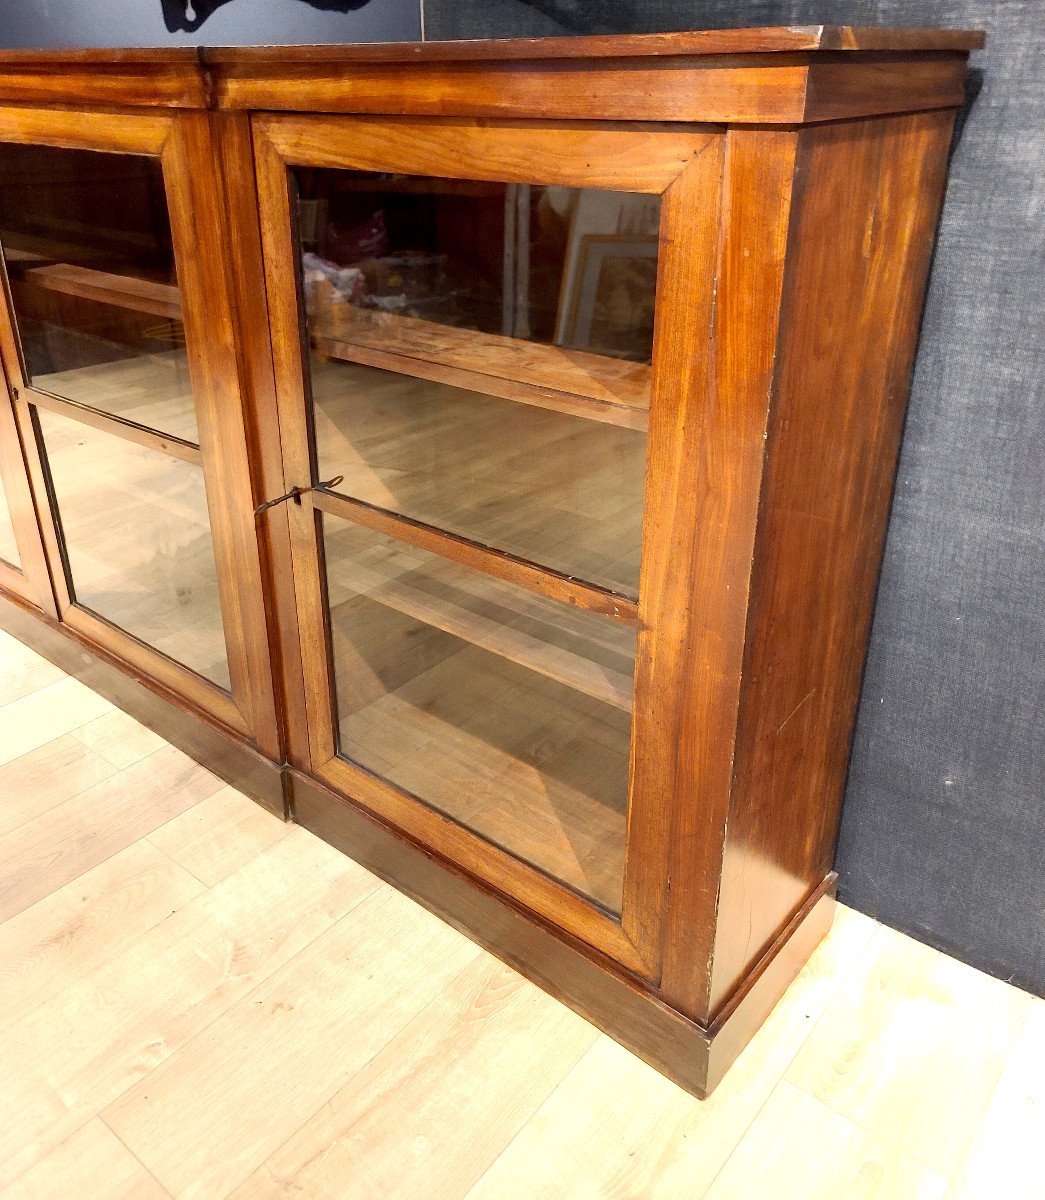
(776, 39)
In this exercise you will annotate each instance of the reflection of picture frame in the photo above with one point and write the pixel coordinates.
(614, 286)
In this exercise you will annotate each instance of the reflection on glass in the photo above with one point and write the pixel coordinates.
(480, 357)
(87, 244)
(565, 267)
(137, 541)
(559, 489)
(505, 710)
(8, 548)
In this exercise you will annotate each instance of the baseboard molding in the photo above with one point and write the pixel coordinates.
(622, 1005)
(192, 731)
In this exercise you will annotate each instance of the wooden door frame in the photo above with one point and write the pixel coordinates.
(181, 141)
(680, 163)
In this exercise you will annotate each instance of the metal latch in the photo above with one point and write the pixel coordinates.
(296, 493)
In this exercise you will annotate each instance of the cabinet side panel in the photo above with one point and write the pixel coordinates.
(870, 198)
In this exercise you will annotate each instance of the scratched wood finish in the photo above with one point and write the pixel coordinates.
(161, 78)
(642, 158)
(756, 40)
(800, 173)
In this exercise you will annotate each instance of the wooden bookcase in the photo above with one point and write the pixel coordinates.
(481, 454)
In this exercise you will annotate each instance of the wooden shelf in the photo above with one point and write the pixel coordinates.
(14, 256)
(562, 492)
(592, 655)
(124, 291)
(596, 386)
(502, 750)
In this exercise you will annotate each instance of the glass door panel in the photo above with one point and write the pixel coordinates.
(89, 258)
(467, 366)
(504, 709)
(87, 245)
(548, 486)
(480, 358)
(8, 548)
(137, 541)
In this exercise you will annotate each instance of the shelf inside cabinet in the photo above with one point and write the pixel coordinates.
(512, 755)
(124, 291)
(593, 656)
(550, 488)
(597, 386)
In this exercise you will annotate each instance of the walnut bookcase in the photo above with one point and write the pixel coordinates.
(481, 454)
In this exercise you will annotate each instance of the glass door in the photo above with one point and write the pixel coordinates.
(113, 371)
(466, 379)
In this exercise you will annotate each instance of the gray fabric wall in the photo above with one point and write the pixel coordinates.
(28, 23)
(943, 831)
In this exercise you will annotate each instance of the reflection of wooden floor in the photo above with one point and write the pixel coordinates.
(139, 544)
(152, 390)
(505, 710)
(559, 489)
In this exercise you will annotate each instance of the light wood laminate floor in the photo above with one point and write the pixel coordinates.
(200, 1001)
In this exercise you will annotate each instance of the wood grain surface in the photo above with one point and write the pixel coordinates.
(127, 1072)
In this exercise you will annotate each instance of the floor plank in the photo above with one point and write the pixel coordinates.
(23, 671)
(1004, 1158)
(912, 1050)
(797, 1148)
(119, 738)
(91, 919)
(66, 841)
(43, 715)
(426, 1116)
(34, 783)
(218, 836)
(254, 1012)
(70, 1057)
(92, 1164)
(205, 1119)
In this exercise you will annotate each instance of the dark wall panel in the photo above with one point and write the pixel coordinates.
(445, 19)
(943, 832)
(28, 23)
